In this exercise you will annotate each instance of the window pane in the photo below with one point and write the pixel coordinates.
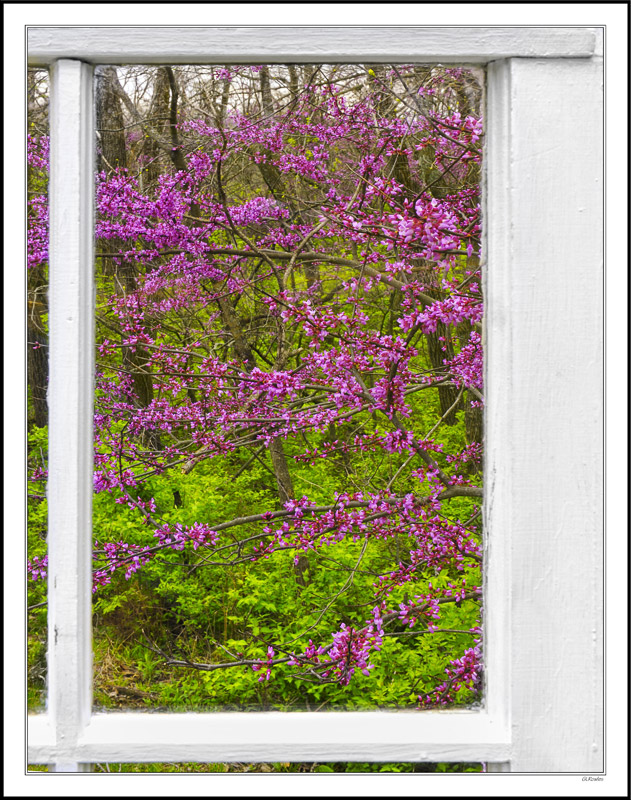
(288, 423)
(37, 379)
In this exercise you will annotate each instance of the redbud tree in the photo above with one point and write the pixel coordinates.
(289, 318)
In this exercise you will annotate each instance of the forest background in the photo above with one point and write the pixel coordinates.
(288, 421)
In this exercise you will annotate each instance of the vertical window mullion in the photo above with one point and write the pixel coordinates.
(498, 356)
(544, 440)
(70, 398)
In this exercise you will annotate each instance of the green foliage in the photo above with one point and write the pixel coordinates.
(192, 605)
(203, 612)
(37, 508)
(285, 767)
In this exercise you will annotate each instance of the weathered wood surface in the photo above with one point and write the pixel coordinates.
(544, 412)
(70, 400)
(198, 45)
(258, 737)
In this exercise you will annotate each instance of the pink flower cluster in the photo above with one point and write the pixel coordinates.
(465, 673)
(36, 567)
(266, 665)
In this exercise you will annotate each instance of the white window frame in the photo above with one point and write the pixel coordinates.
(543, 709)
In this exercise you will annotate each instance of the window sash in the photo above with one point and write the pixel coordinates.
(538, 244)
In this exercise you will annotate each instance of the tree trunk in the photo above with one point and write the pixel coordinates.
(440, 349)
(244, 351)
(113, 153)
(37, 368)
(152, 153)
(110, 124)
(281, 470)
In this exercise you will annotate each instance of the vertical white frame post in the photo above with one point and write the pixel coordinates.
(70, 398)
(544, 314)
